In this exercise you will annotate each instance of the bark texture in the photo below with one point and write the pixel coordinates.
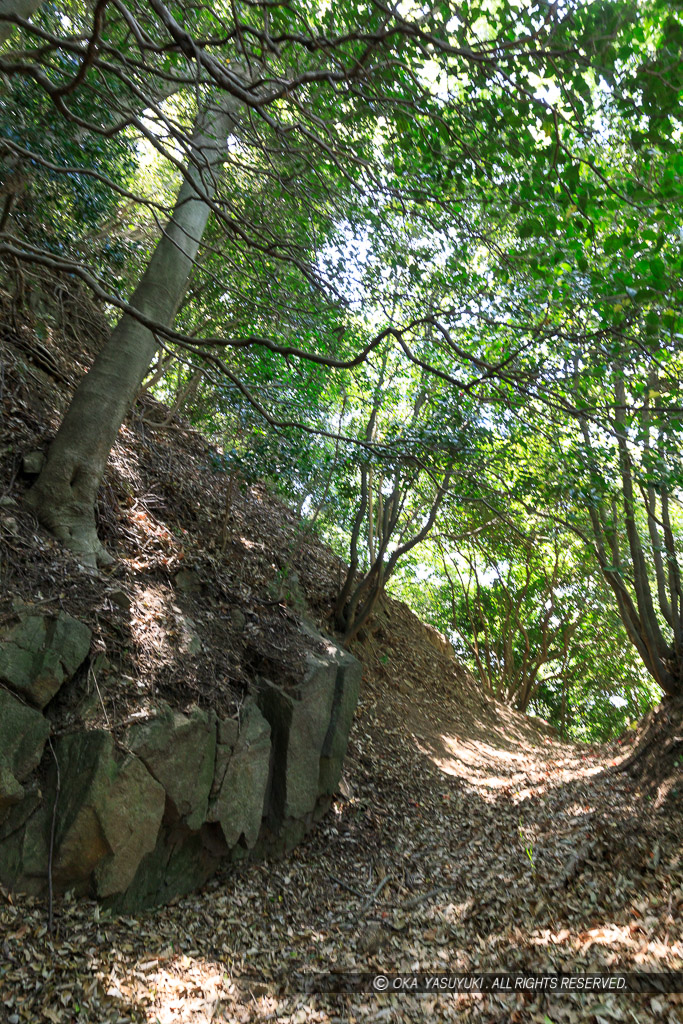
(15, 9)
(65, 493)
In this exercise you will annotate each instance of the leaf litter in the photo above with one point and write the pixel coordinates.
(439, 857)
(464, 837)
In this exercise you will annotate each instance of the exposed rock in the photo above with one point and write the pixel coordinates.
(237, 620)
(87, 767)
(179, 863)
(188, 582)
(346, 688)
(40, 652)
(120, 598)
(109, 814)
(305, 724)
(11, 791)
(24, 842)
(130, 815)
(190, 642)
(179, 751)
(32, 463)
(227, 733)
(140, 827)
(241, 779)
(18, 816)
(35, 843)
(9, 525)
(23, 732)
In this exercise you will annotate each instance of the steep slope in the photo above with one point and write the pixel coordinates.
(196, 709)
(445, 853)
(210, 580)
(463, 835)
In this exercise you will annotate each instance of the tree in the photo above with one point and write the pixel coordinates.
(604, 686)
(632, 467)
(346, 110)
(400, 497)
(514, 606)
(65, 492)
(10, 10)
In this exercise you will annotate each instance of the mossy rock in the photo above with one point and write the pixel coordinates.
(241, 778)
(179, 751)
(23, 734)
(40, 652)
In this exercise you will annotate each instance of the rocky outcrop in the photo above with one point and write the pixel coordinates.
(179, 751)
(243, 756)
(110, 811)
(40, 652)
(147, 813)
(11, 792)
(310, 726)
(23, 733)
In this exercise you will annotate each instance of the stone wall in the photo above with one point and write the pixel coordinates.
(140, 815)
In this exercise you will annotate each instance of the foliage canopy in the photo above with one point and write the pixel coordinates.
(438, 297)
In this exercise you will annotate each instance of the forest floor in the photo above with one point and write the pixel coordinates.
(448, 852)
(465, 837)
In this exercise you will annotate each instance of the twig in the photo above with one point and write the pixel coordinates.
(422, 897)
(52, 840)
(368, 903)
(104, 710)
(349, 888)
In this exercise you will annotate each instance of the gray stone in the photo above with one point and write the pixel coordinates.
(179, 751)
(11, 873)
(120, 598)
(87, 768)
(23, 733)
(310, 727)
(10, 525)
(277, 844)
(190, 790)
(227, 731)
(241, 779)
(109, 814)
(24, 845)
(188, 582)
(179, 863)
(13, 820)
(299, 721)
(11, 791)
(190, 642)
(35, 847)
(40, 652)
(237, 620)
(346, 689)
(32, 463)
(130, 814)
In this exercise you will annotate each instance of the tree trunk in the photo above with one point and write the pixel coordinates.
(64, 495)
(16, 9)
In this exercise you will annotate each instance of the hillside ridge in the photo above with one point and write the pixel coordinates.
(463, 836)
(210, 578)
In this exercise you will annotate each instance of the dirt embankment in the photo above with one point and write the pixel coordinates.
(464, 837)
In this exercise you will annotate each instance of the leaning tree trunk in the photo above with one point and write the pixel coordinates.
(15, 9)
(65, 493)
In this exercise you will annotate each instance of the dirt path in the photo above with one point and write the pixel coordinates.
(455, 849)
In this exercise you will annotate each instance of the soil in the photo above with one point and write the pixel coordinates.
(464, 837)
(193, 608)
